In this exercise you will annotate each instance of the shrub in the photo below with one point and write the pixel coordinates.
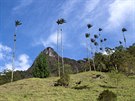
(107, 95)
(63, 81)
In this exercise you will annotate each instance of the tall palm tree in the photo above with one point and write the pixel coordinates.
(17, 23)
(60, 22)
(89, 26)
(87, 35)
(120, 42)
(124, 30)
(100, 42)
(92, 41)
(105, 39)
(95, 43)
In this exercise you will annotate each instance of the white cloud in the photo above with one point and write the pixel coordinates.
(68, 7)
(51, 41)
(120, 11)
(4, 50)
(22, 63)
(89, 6)
(22, 4)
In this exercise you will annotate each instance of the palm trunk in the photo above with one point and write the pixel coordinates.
(62, 51)
(89, 56)
(13, 58)
(94, 64)
(92, 55)
(124, 39)
(94, 61)
(58, 51)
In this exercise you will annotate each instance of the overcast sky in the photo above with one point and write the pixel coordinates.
(39, 28)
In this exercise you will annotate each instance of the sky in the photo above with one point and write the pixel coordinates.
(39, 27)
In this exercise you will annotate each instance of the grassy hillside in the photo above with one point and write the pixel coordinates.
(35, 89)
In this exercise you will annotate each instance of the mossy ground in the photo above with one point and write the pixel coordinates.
(35, 89)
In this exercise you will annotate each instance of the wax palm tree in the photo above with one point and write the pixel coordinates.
(100, 29)
(95, 36)
(96, 44)
(100, 42)
(105, 39)
(120, 42)
(101, 47)
(87, 35)
(124, 30)
(92, 41)
(17, 23)
(60, 22)
(89, 26)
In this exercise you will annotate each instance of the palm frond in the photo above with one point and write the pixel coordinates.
(17, 23)
(100, 29)
(124, 29)
(89, 26)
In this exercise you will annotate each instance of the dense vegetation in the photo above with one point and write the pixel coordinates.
(41, 67)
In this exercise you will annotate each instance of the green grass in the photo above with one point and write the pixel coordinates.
(35, 89)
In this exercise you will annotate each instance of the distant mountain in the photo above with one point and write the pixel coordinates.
(52, 56)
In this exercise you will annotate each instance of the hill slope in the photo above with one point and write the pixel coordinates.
(35, 89)
(51, 58)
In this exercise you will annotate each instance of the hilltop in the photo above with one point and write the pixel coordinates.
(36, 89)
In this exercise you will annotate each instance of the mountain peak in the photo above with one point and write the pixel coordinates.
(50, 51)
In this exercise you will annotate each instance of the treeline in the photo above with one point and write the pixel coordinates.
(118, 59)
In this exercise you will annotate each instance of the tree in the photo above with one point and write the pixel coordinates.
(17, 23)
(100, 42)
(87, 35)
(60, 22)
(89, 26)
(124, 30)
(92, 41)
(41, 67)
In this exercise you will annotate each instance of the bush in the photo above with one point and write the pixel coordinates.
(41, 67)
(107, 95)
(63, 81)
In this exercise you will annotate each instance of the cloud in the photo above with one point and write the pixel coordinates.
(4, 50)
(120, 11)
(22, 4)
(89, 6)
(68, 7)
(22, 63)
(51, 41)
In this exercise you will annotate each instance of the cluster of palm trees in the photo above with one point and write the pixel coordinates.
(59, 33)
(96, 41)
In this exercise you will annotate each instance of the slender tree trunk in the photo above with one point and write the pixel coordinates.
(62, 51)
(13, 58)
(58, 51)
(89, 56)
(124, 40)
(87, 49)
